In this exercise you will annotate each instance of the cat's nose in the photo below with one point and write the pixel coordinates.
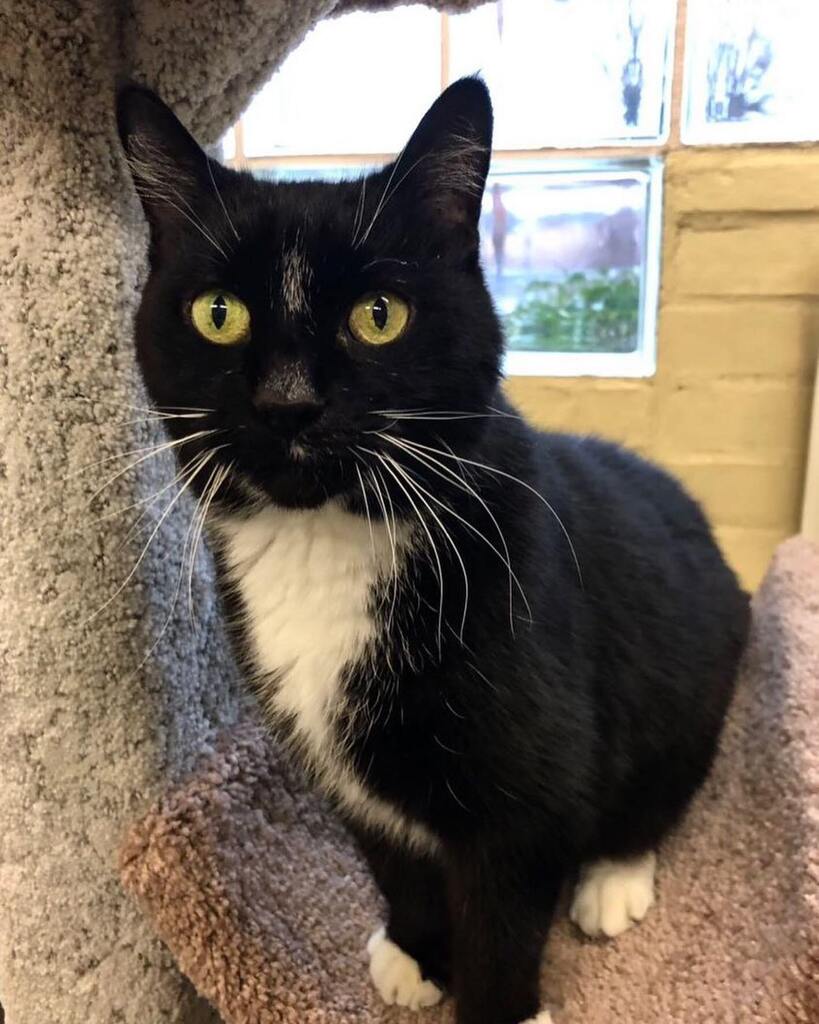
(287, 393)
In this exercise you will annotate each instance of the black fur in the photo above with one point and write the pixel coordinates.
(581, 728)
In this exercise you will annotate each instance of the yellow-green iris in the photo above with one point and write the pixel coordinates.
(220, 317)
(379, 318)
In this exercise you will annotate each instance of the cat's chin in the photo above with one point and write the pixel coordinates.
(298, 501)
(287, 486)
(289, 492)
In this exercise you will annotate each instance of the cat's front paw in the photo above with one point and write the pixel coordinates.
(544, 1017)
(611, 895)
(398, 977)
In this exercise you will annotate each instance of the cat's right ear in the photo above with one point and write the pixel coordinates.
(170, 169)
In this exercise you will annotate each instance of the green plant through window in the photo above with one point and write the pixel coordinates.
(584, 312)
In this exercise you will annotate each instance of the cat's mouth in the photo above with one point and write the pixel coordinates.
(297, 477)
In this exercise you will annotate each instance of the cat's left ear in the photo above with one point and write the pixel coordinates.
(171, 171)
(447, 158)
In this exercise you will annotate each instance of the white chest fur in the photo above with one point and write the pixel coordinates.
(306, 578)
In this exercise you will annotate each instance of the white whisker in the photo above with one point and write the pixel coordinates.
(174, 408)
(444, 415)
(388, 192)
(359, 213)
(190, 538)
(174, 600)
(159, 446)
(421, 492)
(455, 796)
(209, 493)
(463, 471)
(153, 410)
(147, 545)
(190, 217)
(392, 531)
(221, 201)
(157, 179)
(367, 509)
(422, 521)
(517, 480)
(448, 475)
(482, 675)
(151, 452)
(151, 498)
(189, 467)
(389, 525)
(160, 417)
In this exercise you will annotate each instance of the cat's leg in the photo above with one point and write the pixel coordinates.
(409, 956)
(397, 976)
(501, 906)
(613, 895)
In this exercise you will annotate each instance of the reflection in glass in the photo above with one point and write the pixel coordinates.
(563, 255)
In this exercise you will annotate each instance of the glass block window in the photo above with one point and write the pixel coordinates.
(752, 74)
(565, 256)
(353, 86)
(572, 73)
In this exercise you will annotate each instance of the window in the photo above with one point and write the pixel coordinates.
(752, 73)
(291, 116)
(571, 73)
(565, 256)
(588, 99)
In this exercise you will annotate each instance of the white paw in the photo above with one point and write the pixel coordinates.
(397, 976)
(544, 1017)
(612, 895)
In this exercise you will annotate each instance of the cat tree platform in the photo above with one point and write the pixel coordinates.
(263, 901)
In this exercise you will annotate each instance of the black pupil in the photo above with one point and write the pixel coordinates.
(381, 311)
(218, 311)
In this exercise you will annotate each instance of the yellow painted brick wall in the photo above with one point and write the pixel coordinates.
(729, 406)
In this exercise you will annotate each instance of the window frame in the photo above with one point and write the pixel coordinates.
(633, 154)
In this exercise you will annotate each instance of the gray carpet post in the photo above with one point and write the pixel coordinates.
(94, 721)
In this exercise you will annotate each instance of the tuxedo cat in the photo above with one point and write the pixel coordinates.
(505, 654)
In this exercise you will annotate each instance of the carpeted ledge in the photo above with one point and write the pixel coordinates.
(262, 900)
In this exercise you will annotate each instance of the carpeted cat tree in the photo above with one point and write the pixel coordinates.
(95, 715)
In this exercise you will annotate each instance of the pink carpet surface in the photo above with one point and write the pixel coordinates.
(266, 906)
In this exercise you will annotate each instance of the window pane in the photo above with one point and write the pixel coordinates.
(355, 85)
(752, 73)
(564, 255)
(570, 72)
(228, 144)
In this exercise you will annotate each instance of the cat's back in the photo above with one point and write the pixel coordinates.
(644, 545)
(616, 499)
(605, 517)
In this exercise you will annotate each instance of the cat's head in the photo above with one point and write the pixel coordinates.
(301, 321)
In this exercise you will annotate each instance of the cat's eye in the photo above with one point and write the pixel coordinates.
(220, 317)
(379, 318)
